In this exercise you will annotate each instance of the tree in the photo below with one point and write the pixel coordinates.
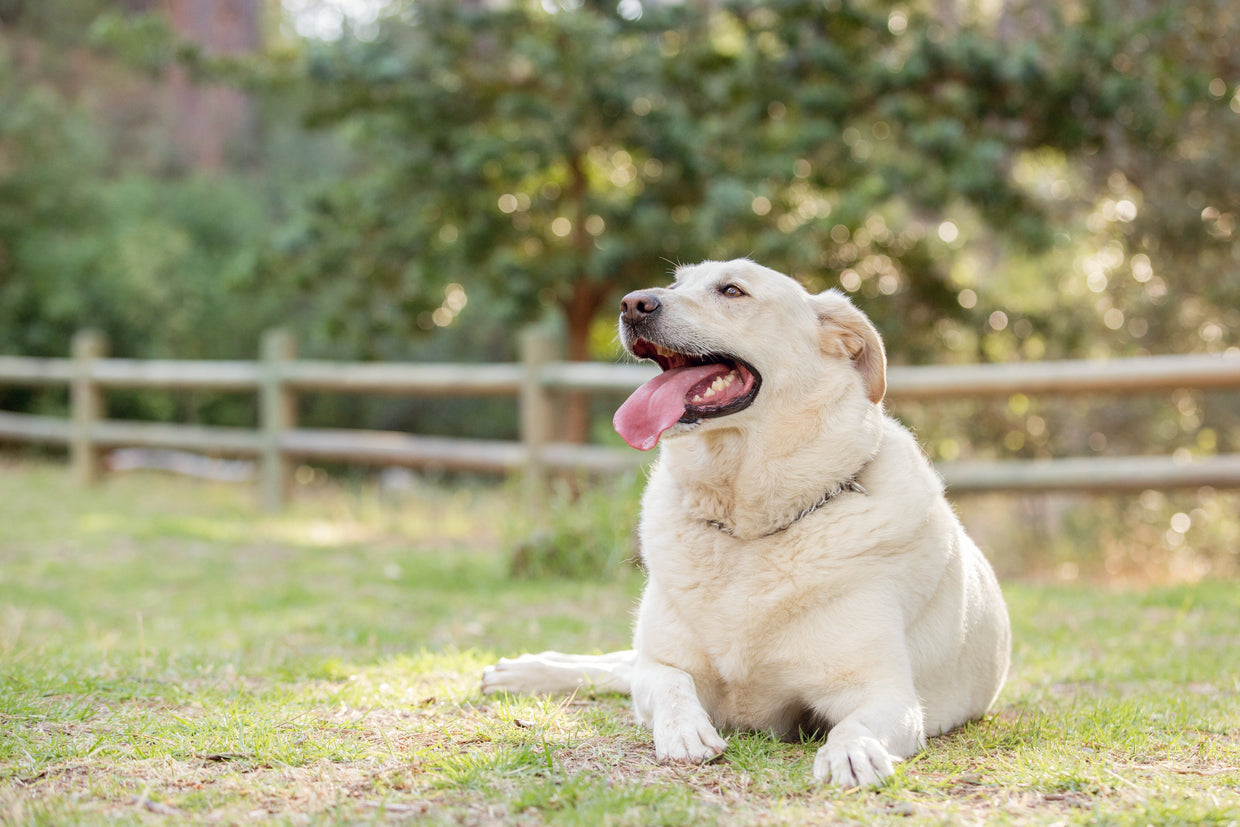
(561, 157)
(531, 155)
(940, 167)
(89, 237)
(565, 153)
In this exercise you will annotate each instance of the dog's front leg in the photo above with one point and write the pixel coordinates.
(862, 748)
(665, 699)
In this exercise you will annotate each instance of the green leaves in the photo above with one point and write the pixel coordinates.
(619, 144)
(553, 159)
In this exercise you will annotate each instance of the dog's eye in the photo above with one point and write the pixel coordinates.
(732, 291)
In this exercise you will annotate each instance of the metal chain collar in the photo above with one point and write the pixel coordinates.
(849, 485)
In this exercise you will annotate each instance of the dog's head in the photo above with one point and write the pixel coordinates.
(734, 338)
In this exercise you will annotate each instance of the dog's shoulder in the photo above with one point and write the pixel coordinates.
(900, 455)
(903, 495)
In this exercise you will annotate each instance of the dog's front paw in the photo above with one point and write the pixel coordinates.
(688, 740)
(855, 762)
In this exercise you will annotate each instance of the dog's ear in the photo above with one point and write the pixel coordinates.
(845, 329)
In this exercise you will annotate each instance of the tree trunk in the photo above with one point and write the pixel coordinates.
(214, 127)
(579, 312)
(583, 304)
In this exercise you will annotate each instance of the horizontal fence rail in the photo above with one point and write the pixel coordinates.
(1131, 375)
(931, 382)
(278, 377)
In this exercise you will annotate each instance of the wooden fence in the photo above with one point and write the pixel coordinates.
(278, 444)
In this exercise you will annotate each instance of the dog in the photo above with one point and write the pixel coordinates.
(805, 572)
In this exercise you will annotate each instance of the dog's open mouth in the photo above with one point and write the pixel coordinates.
(690, 388)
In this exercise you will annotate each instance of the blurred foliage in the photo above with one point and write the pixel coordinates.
(983, 181)
(165, 266)
(587, 531)
(995, 182)
(1153, 537)
(562, 157)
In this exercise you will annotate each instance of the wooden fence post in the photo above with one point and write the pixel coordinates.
(538, 347)
(277, 413)
(86, 405)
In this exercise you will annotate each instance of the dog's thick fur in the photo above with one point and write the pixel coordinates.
(872, 616)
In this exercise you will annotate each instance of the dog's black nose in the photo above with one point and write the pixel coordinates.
(638, 305)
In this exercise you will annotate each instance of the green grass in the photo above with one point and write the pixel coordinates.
(169, 655)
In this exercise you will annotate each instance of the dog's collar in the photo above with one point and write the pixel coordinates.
(849, 485)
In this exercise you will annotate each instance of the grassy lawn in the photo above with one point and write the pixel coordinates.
(168, 655)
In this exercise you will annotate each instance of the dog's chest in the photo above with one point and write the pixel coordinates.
(753, 680)
(745, 605)
(746, 588)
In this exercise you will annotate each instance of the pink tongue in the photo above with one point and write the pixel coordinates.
(658, 404)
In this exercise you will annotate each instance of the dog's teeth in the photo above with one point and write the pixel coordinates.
(720, 383)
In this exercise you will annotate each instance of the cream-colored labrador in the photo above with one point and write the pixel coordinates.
(805, 571)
